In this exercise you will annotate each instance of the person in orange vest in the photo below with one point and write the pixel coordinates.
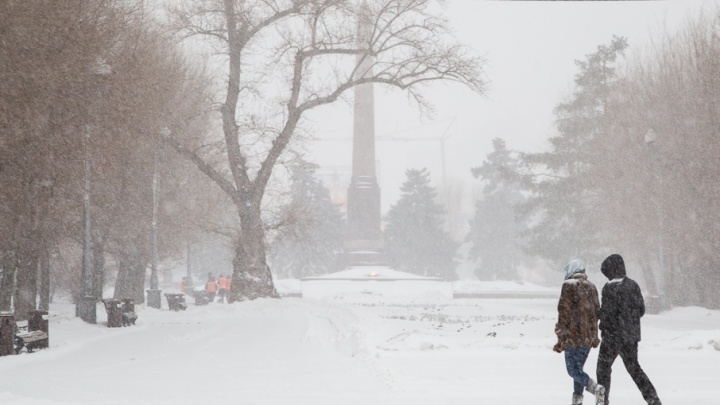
(223, 287)
(183, 285)
(211, 288)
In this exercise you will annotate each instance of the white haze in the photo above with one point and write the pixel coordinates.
(530, 48)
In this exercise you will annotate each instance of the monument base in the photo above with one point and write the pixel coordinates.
(360, 282)
(363, 253)
(364, 258)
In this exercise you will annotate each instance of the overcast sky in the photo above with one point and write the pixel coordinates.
(530, 48)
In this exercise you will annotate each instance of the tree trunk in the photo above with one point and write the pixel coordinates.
(98, 255)
(673, 281)
(26, 285)
(45, 279)
(251, 274)
(7, 284)
(706, 289)
(649, 276)
(137, 284)
(123, 276)
(131, 275)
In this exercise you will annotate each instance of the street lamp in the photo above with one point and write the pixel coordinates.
(153, 294)
(85, 307)
(651, 142)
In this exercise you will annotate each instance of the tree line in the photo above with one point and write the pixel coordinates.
(86, 86)
(631, 167)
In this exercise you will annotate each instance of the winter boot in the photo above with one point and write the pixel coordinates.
(655, 401)
(599, 395)
(591, 386)
(577, 399)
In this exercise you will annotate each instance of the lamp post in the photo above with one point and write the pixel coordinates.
(651, 142)
(153, 294)
(85, 307)
(189, 267)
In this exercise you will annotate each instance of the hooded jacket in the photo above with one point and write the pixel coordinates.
(577, 324)
(622, 303)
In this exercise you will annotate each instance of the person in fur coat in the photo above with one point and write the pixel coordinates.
(577, 326)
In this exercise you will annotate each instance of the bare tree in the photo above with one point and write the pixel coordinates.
(310, 49)
(677, 93)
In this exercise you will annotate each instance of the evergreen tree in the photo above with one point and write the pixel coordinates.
(414, 239)
(566, 207)
(309, 243)
(495, 231)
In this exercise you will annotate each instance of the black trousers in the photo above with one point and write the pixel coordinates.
(628, 352)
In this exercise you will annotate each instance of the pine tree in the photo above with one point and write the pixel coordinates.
(414, 239)
(309, 244)
(566, 206)
(495, 231)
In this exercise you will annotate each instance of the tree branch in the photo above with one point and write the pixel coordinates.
(211, 172)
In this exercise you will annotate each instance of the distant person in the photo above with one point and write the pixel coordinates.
(183, 285)
(223, 287)
(620, 313)
(577, 327)
(211, 288)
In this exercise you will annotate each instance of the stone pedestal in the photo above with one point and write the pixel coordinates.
(363, 213)
(361, 252)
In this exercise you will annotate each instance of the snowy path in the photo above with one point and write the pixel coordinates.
(295, 351)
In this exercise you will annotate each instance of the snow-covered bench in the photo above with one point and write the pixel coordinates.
(120, 314)
(176, 302)
(202, 297)
(29, 339)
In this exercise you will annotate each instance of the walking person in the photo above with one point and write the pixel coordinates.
(620, 313)
(577, 326)
(184, 285)
(211, 288)
(223, 287)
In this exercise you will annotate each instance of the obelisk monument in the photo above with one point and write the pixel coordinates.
(363, 243)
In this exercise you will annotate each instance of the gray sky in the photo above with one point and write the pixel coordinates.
(530, 47)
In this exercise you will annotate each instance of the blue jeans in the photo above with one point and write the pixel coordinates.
(575, 361)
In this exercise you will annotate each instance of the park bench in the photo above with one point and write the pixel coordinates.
(202, 297)
(29, 339)
(120, 313)
(176, 302)
(129, 316)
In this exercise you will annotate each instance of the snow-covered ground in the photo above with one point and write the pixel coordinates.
(348, 350)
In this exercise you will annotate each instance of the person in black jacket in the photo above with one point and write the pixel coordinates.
(621, 308)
